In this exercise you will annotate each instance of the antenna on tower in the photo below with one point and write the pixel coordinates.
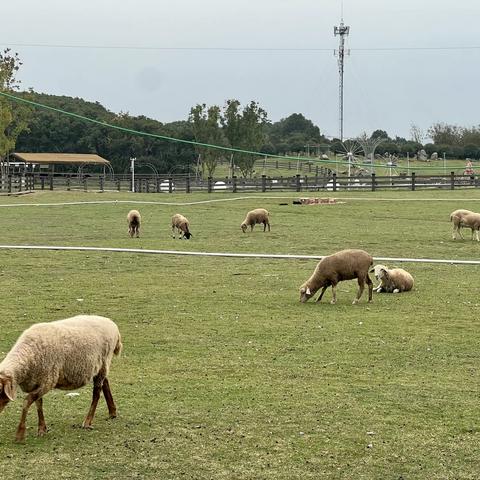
(342, 31)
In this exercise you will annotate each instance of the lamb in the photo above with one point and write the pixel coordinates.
(134, 219)
(393, 280)
(259, 215)
(343, 265)
(182, 225)
(456, 217)
(65, 354)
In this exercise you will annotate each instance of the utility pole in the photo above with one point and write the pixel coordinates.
(132, 169)
(342, 31)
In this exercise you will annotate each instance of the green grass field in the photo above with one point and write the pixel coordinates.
(224, 374)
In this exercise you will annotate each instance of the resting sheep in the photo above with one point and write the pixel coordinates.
(343, 265)
(65, 354)
(393, 280)
(456, 217)
(259, 215)
(182, 225)
(134, 219)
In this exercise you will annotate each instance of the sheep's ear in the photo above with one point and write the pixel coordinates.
(308, 292)
(9, 389)
(372, 270)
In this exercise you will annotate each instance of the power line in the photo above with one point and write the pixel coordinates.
(237, 49)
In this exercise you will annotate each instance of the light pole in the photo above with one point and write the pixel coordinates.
(132, 169)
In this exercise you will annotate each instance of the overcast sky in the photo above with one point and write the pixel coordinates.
(387, 89)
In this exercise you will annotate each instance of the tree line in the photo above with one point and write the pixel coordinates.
(245, 128)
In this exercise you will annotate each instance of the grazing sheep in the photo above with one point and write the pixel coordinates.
(456, 217)
(181, 224)
(134, 219)
(470, 220)
(343, 265)
(393, 280)
(259, 215)
(66, 354)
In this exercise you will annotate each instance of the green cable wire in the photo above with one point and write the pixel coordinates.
(191, 142)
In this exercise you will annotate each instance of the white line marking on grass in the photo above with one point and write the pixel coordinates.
(228, 254)
(216, 200)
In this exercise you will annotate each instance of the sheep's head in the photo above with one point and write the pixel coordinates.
(382, 274)
(243, 226)
(7, 391)
(187, 235)
(376, 270)
(305, 293)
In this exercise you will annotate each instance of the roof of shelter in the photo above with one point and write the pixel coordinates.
(60, 158)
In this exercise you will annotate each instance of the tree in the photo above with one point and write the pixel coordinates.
(207, 129)
(380, 134)
(417, 134)
(13, 121)
(244, 130)
(446, 134)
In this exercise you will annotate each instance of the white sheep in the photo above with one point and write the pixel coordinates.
(343, 265)
(456, 217)
(259, 215)
(393, 280)
(134, 220)
(65, 354)
(471, 220)
(182, 225)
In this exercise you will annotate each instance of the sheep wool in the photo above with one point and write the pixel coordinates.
(343, 265)
(134, 220)
(64, 354)
(456, 217)
(182, 225)
(393, 280)
(259, 215)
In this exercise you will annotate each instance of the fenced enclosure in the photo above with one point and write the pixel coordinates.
(321, 181)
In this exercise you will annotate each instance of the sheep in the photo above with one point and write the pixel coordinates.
(470, 220)
(134, 219)
(182, 225)
(65, 354)
(343, 265)
(259, 215)
(393, 280)
(456, 217)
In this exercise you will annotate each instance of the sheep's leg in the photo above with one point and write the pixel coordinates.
(138, 232)
(370, 288)
(264, 226)
(97, 388)
(321, 293)
(268, 226)
(42, 426)
(334, 294)
(20, 435)
(361, 287)
(173, 231)
(112, 410)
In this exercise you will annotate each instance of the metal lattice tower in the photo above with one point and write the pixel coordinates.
(342, 31)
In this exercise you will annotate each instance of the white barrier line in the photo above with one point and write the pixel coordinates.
(199, 202)
(228, 254)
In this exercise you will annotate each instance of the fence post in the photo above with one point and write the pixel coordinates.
(334, 181)
(9, 183)
(209, 185)
(234, 184)
(264, 183)
(42, 182)
(101, 182)
(276, 164)
(51, 182)
(289, 165)
(452, 180)
(170, 185)
(413, 181)
(118, 184)
(374, 186)
(68, 183)
(297, 182)
(147, 185)
(85, 186)
(187, 184)
(305, 183)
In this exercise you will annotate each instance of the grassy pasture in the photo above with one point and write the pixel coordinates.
(225, 375)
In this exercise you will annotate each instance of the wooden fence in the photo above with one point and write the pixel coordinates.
(188, 184)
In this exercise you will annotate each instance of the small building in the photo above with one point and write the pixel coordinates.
(19, 163)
